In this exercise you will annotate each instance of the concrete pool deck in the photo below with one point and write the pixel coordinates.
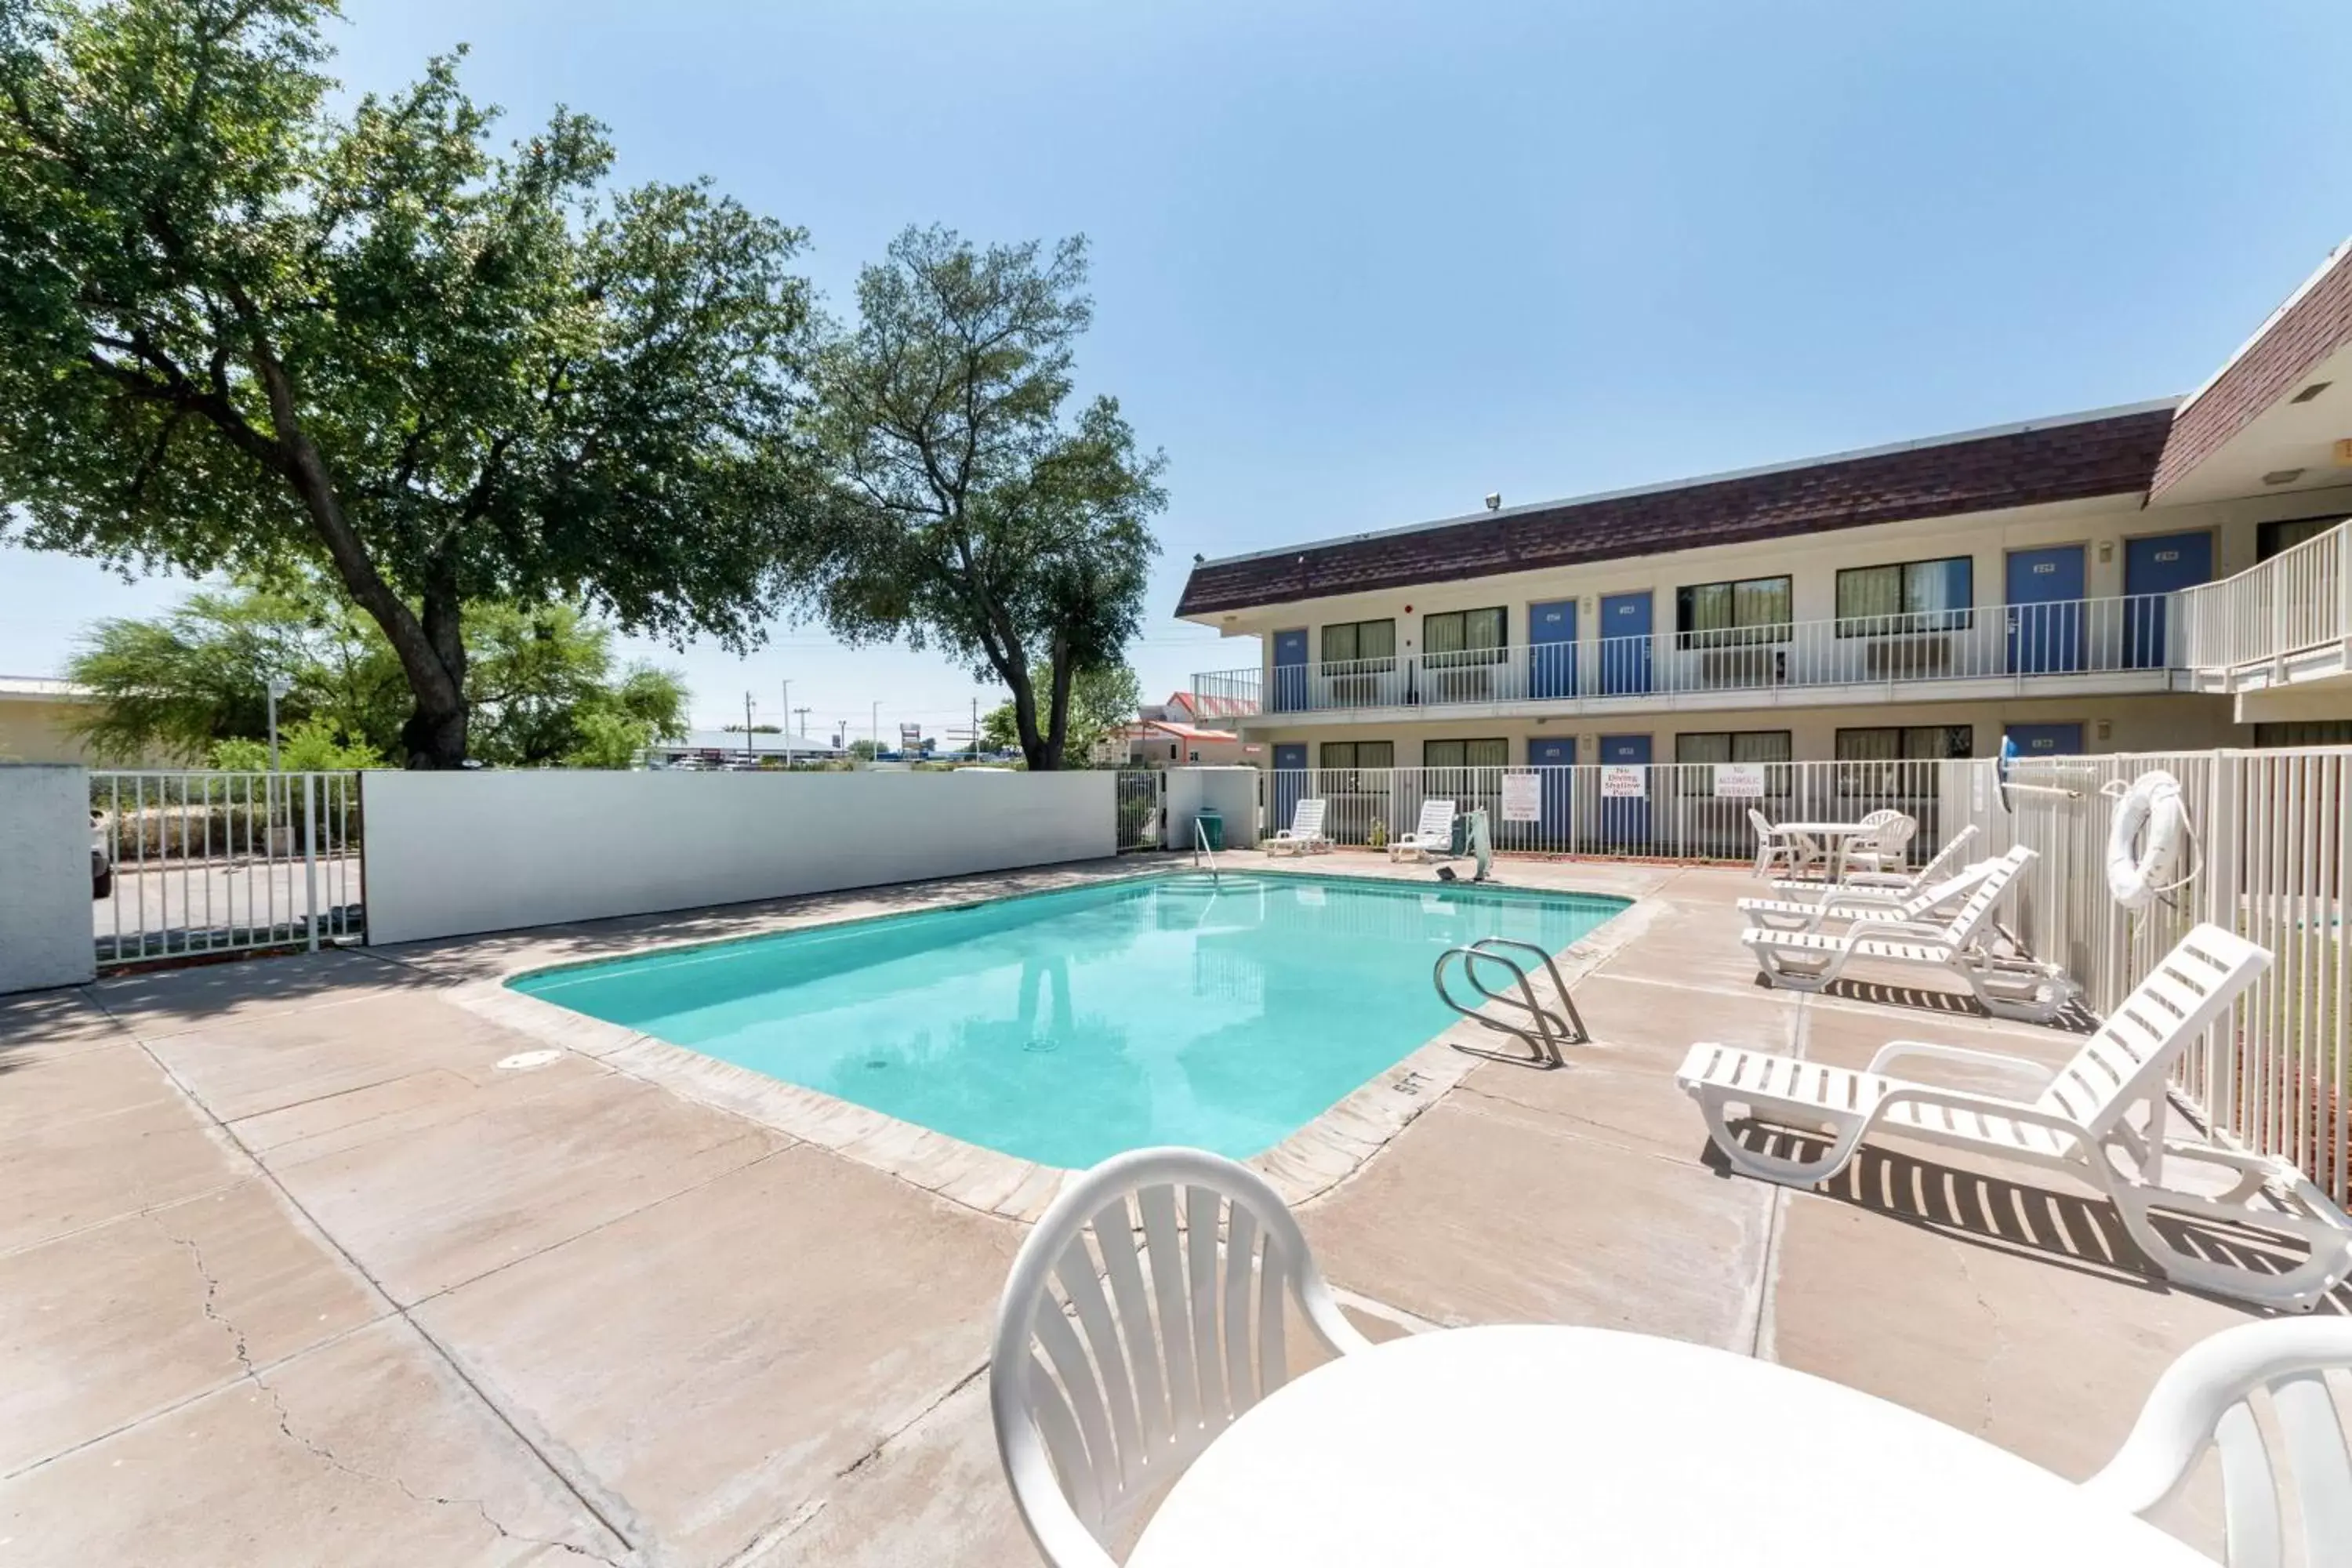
(292, 1270)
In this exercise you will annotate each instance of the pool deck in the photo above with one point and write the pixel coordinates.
(292, 1270)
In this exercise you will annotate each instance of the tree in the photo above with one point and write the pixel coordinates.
(1102, 701)
(542, 686)
(236, 332)
(1000, 730)
(964, 507)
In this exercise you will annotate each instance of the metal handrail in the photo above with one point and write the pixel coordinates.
(1551, 1031)
(1200, 848)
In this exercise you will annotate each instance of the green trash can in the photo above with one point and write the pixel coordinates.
(1212, 824)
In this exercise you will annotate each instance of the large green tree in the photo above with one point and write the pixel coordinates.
(237, 331)
(543, 686)
(969, 507)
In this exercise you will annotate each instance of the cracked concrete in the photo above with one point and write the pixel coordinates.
(291, 1273)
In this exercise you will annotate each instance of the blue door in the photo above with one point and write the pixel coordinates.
(1551, 652)
(1290, 784)
(2045, 610)
(1289, 672)
(1626, 822)
(2046, 740)
(1625, 644)
(1554, 755)
(2153, 568)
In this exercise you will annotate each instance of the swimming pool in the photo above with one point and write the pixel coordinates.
(1064, 1027)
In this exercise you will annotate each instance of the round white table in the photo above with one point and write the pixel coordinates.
(1539, 1445)
(1837, 839)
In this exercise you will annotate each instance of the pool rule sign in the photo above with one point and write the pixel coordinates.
(1522, 798)
(1739, 781)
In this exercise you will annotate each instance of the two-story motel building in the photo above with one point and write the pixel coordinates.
(1918, 601)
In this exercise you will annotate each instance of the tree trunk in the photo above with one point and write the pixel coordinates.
(1057, 733)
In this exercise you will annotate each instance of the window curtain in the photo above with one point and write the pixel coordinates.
(1870, 592)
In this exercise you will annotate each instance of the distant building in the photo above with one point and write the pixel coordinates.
(1163, 742)
(37, 720)
(726, 748)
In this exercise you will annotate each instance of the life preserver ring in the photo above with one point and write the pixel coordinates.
(2135, 876)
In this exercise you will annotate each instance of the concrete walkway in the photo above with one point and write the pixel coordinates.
(294, 1270)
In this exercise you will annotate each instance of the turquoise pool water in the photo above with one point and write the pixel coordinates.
(1064, 1027)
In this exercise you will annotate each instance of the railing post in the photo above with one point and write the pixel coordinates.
(311, 856)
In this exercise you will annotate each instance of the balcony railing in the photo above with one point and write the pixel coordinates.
(2298, 600)
(2068, 637)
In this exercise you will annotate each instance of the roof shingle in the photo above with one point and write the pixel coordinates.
(2107, 454)
(2313, 325)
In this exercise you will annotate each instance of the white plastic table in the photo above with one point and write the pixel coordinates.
(1533, 1445)
(1837, 839)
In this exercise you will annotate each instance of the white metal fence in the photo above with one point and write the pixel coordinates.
(2299, 599)
(1682, 811)
(201, 862)
(1138, 797)
(2272, 843)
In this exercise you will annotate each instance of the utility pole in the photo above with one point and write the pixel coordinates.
(748, 754)
(787, 711)
(971, 736)
(878, 728)
(803, 713)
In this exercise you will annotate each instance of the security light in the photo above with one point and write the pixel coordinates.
(1494, 500)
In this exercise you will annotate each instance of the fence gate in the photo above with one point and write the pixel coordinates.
(195, 862)
(1139, 808)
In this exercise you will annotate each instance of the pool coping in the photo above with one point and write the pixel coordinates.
(1303, 1167)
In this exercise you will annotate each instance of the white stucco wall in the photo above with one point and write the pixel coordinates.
(449, 854)
(1230, 791)
(45, 927)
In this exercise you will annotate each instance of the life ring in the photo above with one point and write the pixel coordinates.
(2152, 802)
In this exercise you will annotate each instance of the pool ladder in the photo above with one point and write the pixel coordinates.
(1201, 848)
(1544, 1031)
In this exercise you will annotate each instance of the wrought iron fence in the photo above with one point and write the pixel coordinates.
(1139, 798)
(192, 862)
(1683, 811)
(2271, 845)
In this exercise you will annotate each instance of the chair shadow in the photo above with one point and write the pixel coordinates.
(2066, 1230)
(2073, 1020)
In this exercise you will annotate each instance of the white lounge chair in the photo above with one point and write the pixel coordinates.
(2205, 1399)
(1434, 835)
(2007, 985)
(1305, 833)
(1892, 886)
(2077, 1119)
(1091, 1429)
(1932, 905)
(1777, 846)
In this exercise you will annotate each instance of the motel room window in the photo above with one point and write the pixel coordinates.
(1733, 746)
(1722, 614)
(2304, 732)
(1373, 642)
(1911, 596)
(1465, 754)
(2271, 538)
(1355, 758)
(1908, 743)
(1464, 636)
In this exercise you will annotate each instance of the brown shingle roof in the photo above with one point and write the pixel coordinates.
(2311, 326)
(2097, 454)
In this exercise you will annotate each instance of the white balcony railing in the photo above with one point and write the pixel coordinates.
(2069, 637)
(2297, 601)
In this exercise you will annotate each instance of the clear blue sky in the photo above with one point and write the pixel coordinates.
(1356, 265)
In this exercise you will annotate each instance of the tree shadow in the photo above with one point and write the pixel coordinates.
(2063, 1229)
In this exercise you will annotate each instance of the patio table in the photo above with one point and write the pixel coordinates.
(1538, 1445)
(1838, 837)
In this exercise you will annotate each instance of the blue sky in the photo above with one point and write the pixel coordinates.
(1356, 265)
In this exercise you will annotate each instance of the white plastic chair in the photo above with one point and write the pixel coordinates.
(2208, 1397)
(1792, 852)
(1114, 1408)
(1886, 847)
